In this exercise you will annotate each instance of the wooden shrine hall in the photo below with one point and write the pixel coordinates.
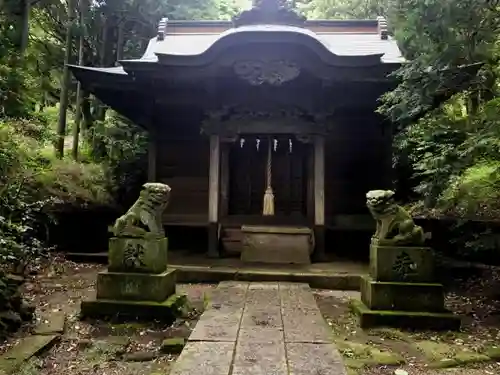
(264, 127)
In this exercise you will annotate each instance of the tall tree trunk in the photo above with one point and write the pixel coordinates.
(79, 97)
(119, 42)
(100, 109)
(66, 81)
(25, 22)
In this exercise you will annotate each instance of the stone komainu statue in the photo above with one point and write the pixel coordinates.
(395, 226)
(147, 210)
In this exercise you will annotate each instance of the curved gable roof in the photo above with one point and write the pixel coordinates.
(333, 48)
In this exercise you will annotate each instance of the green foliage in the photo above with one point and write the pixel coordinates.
(454, 160)
(449, 158)
(475, 191)
(343, 9)
(34, 185)
(122, 147)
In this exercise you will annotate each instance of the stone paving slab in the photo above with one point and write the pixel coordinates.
(229, 294)
(27, 347)
(261, 335)
(261, 329)
(262, 317)
(305, 325)
(300, 295)
(217, 325)
(204, 358)
(307, 359)
(52, 324)
(263, 295)
(253, 358)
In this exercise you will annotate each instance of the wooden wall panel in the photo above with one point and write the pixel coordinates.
(357, 159)
(183, 164)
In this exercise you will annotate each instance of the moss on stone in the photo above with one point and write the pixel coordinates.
(465, 357)
(135, 286)
(404, 319)
(435, 351)
(355, 364)
(390, 334)
(351, 371)
(111, 345)
(27, 348)
(166, 311)
(493, 353)
(378, 295)
(386, 358)
(442, 355)
(173, 345)
(359, 355)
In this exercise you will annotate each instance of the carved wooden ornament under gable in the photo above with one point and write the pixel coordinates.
(271, 72)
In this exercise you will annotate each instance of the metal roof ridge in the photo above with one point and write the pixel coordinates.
(318, 22)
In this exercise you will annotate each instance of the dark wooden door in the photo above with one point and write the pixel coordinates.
(247, 176)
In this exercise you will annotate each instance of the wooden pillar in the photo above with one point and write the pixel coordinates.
(152, 156)
(224, 180)
(319, 197)
(310, 183)
(213, 197)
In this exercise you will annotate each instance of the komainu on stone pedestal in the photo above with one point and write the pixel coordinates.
(400, 289)
(395, 226)
(138, 283)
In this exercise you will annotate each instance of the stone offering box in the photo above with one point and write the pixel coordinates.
(137, 284)
(401, 291)
(276, 244)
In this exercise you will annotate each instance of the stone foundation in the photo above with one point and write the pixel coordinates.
(135, 286)
(380, 295)
(400, 291)
(166, 311)
(405, 319)
(279, 245)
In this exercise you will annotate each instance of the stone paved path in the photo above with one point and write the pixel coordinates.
(260, 329)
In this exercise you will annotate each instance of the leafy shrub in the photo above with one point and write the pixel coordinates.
(475, 192)
(34, 185)
(454, 162)
(122, 147)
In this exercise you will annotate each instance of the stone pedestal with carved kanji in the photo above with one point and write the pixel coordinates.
(138, 282)
(400, 289)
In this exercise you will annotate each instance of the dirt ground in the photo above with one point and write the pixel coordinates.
(388, 351)
(99, 347)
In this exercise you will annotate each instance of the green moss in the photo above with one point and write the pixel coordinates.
(404, 319)
(386, 358)
(135, 286)
(351, 371)
(442, 355)
(354, 364)
(435, 351)
(166, 311)
(359, 355)
(465, 358)
(173, 345)
(389, 334)
(359, 306)
(493, 353)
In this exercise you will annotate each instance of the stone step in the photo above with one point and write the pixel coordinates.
(260, 329)
(232, 240)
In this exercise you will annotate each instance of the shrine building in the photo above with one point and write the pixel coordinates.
(265, 127)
